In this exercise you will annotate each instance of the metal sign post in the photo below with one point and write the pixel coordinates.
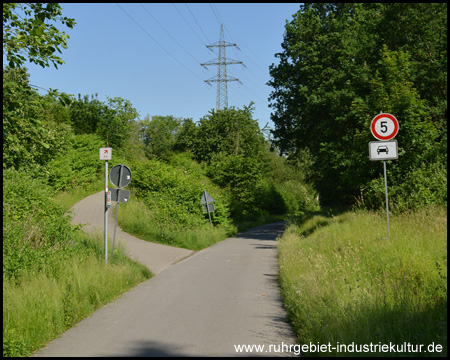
(106, 212)
(208, 204)
(384, 127)
(106, 154)
(387, 204)
(120, 176)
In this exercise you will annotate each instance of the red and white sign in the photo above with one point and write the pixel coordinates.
(105, 153)
(384, 126)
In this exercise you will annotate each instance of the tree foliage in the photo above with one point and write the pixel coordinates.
(343, 63)
(231, 131)
(29, 132)
(159, 135)
(111, 121)
(28, 36)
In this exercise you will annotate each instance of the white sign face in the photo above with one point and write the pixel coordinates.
(384, 126)
(105, 153)
(383, 150)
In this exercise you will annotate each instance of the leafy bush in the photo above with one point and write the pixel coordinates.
(174, 195)
(34, 228)
(78, 165)
(423, 186)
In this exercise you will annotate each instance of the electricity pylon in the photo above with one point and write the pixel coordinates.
(221, 78)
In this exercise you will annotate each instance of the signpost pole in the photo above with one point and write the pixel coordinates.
(384, 127)
(106, 213)
(117, 211)
(209, 214)
(387, 203)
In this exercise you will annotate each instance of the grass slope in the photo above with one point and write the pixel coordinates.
(342, 284)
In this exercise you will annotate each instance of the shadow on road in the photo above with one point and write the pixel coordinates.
(265, 232)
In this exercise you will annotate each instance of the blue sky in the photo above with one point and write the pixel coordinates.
(122, 51)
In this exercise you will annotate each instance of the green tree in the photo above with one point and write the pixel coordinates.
(340, 66)
(159, 135)
(116, 126)
(27, 36)
(85, 114)
(112, 121)
(232, 131)
(186, 139)
(31, 133)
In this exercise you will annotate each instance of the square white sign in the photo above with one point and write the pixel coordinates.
(383, 150)
(105, 153)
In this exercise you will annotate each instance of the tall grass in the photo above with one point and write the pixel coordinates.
(343, 284)
(45, 303)
(137, 219)
(68, 198)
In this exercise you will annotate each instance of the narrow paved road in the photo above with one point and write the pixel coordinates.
(204, 305)
(157, 257)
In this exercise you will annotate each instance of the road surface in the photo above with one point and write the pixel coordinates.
(203, 305)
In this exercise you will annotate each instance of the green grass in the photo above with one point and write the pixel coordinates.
(342, 284)
(137, 219)
(69, 198)
(45, 303)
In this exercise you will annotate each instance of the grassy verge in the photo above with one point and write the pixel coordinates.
(68, 198)
(136, 219)
(342, 284)
(45, 303)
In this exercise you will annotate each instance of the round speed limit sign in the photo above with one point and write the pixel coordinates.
(384, 126)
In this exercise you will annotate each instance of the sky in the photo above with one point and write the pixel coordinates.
(150, 54)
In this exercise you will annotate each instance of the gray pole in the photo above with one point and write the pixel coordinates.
(117, 211)
(387, 204)
(209, 214)
(106, 213)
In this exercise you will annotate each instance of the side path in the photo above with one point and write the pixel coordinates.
(204, 305)
(156, 257)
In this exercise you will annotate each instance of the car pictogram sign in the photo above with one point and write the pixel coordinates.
(383, 150)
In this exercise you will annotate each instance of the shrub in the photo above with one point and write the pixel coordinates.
(34, 226)
(422, 186)
(79, 165)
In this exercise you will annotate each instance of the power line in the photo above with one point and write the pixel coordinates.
(216, 13)
(162, 47)
(240, 41)
(197, 22)
(218, 21)
(169, 34)
(188, 23)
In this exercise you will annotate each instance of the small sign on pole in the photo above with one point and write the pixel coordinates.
(119, 176)
(208, 204)
(106, 154)
(384, 127)
(383, 150)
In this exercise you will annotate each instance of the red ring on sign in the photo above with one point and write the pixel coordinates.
(378, 136)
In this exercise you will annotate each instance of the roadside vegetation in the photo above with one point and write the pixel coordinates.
(53, 274)
(345, 282)
(341, 281)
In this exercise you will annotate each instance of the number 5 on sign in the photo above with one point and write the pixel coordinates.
(384, 126)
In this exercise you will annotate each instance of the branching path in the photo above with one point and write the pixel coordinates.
(156, 257)
(203, 305)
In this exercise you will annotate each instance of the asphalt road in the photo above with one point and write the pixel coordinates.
(90, 212)
(204, 305)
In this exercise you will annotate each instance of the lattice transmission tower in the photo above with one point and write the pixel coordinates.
(221, 78)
